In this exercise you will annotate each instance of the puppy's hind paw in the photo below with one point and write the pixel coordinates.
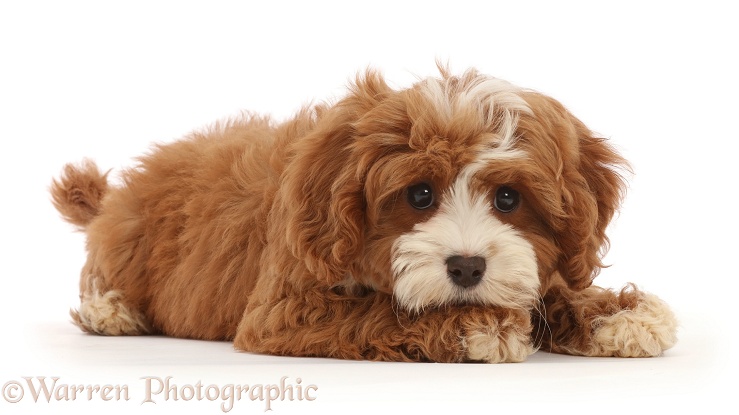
(105, 314)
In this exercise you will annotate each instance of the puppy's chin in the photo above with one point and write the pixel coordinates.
(464, 226)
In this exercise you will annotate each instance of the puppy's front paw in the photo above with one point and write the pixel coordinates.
(506, 341)
(644, 331)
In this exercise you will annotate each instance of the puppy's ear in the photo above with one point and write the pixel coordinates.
(586, 182)
(593, 193)
(322, 190)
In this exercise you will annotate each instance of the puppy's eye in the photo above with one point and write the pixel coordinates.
(506, 199)
(420, 196)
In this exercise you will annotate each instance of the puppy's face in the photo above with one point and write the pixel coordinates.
(459, 190)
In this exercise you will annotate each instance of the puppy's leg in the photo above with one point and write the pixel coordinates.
(601, 322)
(323, 323)
(500, 338)
(104, 310)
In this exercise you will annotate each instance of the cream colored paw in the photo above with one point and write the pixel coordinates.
(105, 314)
(493, 346)
(645, 331)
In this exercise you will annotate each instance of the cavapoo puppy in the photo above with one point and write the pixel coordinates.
(462, 219)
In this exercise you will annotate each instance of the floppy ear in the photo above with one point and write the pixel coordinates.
(593, 190)
(322, 190)
(580, 182)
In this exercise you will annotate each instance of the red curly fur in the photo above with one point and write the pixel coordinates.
(280, 236)
(79, 192)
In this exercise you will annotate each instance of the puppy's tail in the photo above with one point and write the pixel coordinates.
(79, 192)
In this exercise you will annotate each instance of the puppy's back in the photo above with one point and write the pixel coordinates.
(179, 241)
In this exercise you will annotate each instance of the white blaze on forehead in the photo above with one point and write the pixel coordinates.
(473, 91)
(495, 102)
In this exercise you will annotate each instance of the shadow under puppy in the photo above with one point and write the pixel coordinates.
(461, 219)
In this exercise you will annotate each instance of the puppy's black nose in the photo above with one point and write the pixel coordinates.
(465, 272)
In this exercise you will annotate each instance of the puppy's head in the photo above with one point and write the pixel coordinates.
(457, 190)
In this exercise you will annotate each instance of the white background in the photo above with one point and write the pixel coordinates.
(106, 81)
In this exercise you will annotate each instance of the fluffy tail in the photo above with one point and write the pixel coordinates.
(78, 193)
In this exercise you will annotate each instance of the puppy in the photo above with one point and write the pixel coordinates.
(461, 219)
